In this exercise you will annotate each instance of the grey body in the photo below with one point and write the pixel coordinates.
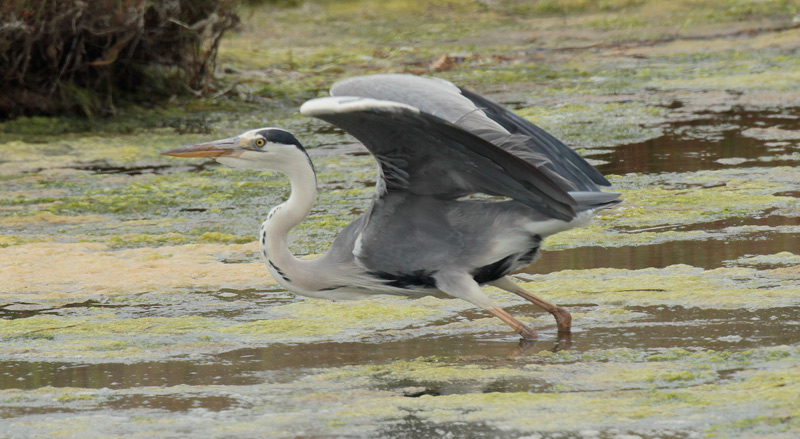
(420, 228)
(436, 236)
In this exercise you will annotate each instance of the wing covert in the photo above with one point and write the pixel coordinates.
(424, 154)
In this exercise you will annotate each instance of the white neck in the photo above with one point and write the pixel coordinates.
(281, 219)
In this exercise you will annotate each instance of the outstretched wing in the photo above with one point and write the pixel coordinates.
(423, 154)
(564, 159)
(481, 117)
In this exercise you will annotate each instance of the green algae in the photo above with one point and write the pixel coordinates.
(703, 200)
(424, 371)
(357, 396)
(591, 410)
(101, 325)
(322, 319)
(599, 124)
(596, 389)
(98, 334)
(9, 240)
(286, 327)
(148, 194)
(132, 240)
(655, 204)
(599, 235)
(103, 337)
(172, 238)
(83, 199)
(777, 78)
(673, 285)
(782, 258)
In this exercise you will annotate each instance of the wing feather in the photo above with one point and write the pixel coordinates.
(423, 154)
(481, 117)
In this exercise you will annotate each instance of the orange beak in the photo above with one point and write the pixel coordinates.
(229, 147)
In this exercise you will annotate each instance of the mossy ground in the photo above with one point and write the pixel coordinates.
(134, 301)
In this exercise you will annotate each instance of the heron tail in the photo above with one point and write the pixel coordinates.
(594, 200)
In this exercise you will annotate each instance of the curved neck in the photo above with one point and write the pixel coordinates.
(283, 218)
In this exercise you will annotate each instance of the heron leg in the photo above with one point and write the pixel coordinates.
(525, 331)
(563, 318)
(464, 287)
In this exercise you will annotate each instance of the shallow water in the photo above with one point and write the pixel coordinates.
(659, 327)
(712, 253)
(709, 141)
(137, 360)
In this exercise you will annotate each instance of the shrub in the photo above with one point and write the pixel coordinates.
(58, 56)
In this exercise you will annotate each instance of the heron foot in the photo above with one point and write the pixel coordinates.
(563, 343)
(563, 320)
(563, 317)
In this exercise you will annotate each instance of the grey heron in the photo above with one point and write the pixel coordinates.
(425, 234)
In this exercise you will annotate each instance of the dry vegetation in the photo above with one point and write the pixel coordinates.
(60, 56)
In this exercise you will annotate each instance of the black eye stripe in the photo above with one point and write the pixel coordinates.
(276, 135)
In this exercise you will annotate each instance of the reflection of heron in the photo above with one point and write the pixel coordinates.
(436, 145)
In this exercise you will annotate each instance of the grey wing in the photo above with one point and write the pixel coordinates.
(423, 154)
(481, 117)
(564, 160)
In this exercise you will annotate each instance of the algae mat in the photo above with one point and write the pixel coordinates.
(134, 303)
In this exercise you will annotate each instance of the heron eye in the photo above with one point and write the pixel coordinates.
(260, 142)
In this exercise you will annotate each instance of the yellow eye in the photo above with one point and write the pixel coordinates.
(260, 142)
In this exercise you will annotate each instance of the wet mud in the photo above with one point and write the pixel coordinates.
(251, 357)
(134, 303)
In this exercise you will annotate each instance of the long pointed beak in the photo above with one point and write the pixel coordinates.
(230, 147)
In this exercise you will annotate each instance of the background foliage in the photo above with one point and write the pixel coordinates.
(59, 56)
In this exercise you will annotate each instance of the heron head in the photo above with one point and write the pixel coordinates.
(262, 148)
